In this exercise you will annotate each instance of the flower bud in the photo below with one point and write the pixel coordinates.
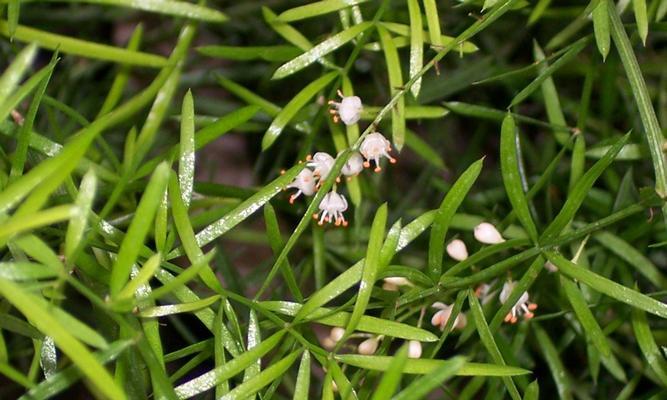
(457, 250)
(328, 343)
(337, 334)
(389, 287)
(414, 349)
(487, 234)
(368, 346)
(397, 280)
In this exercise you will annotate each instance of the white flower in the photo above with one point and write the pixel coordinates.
(523, 306)
(348, 110)
(550, 266)
(457, 250)
(368, 346)
(441, 317)
(414, 349)
(487, 234)
(321, 163)
(304, 183)
(332, 207)
(354, 165)
(337, 334)
(374, 147)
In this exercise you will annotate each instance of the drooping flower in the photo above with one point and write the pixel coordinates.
(441, 317)
(348, 110)
(523, 306)
(374, 147)
(354, 165)
(321, 163)
(488, 234)
(457, 250)
(414, 349)
(304, 183)
(332, 207)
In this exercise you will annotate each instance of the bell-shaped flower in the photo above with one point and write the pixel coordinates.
(354, 165)
(374, 147)
(304, 183)
(523, 306)
(331, 209)
(348, 110)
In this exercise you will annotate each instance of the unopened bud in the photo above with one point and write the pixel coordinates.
(457, 250)
(368, 346)
(414, 349)
(337, 334)
(487, 234)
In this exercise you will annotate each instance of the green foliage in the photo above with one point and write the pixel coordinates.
(134, 261)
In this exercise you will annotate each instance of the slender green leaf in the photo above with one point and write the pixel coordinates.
(370, 270)
(601, 28)
(548, 71)
(161, 311)
(13, 74)
(509, 165)
(433, 22)
(395, 87)
(320, 50)
(554, 362)
(367, 323)
(392, 377)
(585, 316)
(608, 287)
(639, 7)
(648, 346)
(43, 320)
(70, 375)
(489, 342)
(421, 387)
(243, 210)
(69, 45)
(167, 7)
(580, 191)
(427, 366)
(632, 256)
(186, 163)
(640, 92)
(316, 9)
(276, 370)
(77, 225)
(444, 216)
(136, 233)
(224, 372)
(293, 107)
(416, 44)
(302, 387)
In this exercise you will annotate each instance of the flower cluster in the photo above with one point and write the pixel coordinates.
(373, 148)
(485, 233)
